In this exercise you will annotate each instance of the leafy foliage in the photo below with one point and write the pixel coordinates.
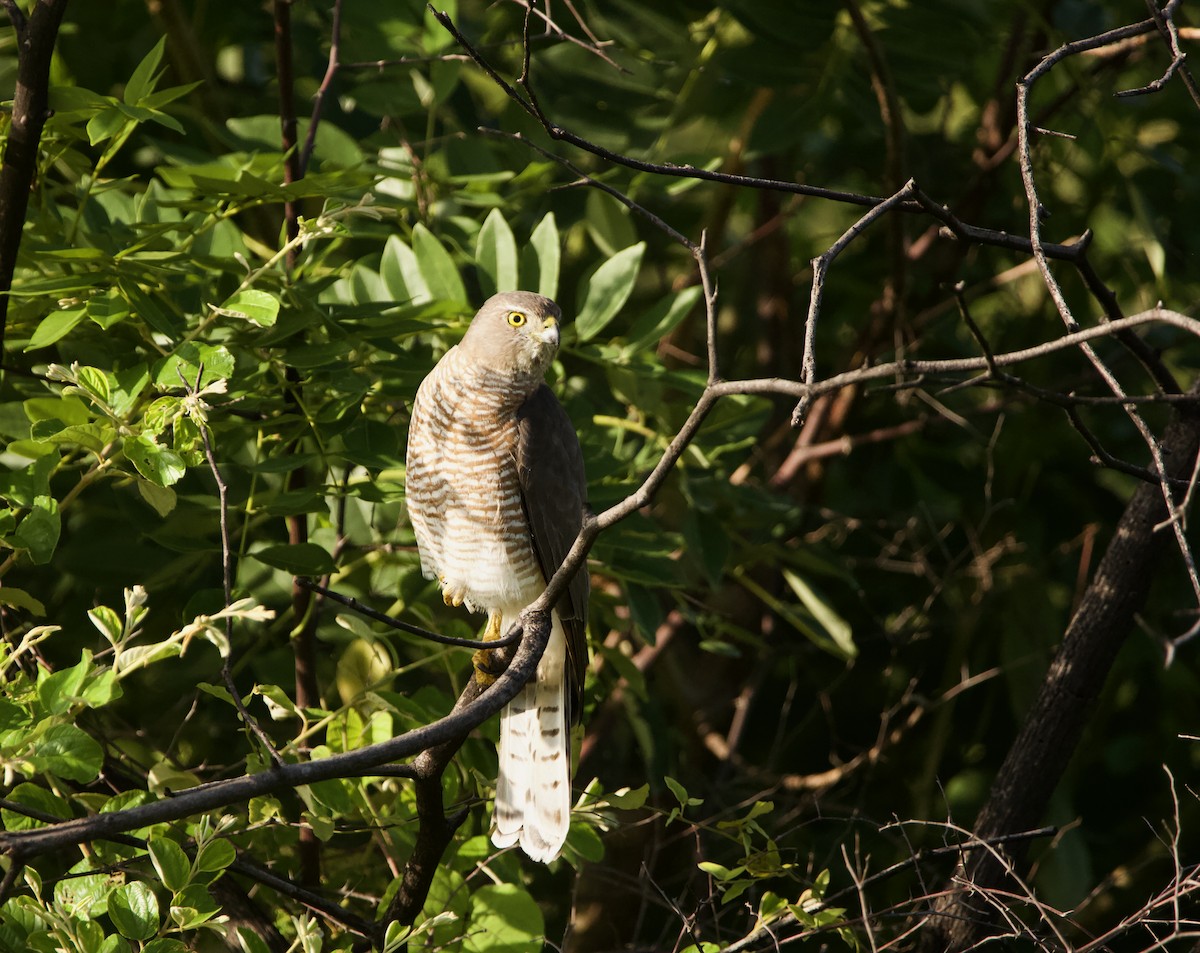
(804, 637)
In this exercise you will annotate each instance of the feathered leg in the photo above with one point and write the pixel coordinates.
(533, 787)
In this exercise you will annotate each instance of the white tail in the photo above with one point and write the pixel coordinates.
(533, 787)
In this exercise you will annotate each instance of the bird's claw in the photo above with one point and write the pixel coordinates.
(450, 595)
(486, 671)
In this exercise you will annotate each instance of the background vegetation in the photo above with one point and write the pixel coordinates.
(814, 647)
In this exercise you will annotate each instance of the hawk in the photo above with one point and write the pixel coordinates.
(496, 492)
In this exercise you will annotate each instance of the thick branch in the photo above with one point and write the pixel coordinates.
(1054, 725)
(35, 47)
(219, 794)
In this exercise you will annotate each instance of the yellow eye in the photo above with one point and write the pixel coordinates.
(516, 318)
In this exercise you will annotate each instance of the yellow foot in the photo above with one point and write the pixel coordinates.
(482, 659)
(450, 596)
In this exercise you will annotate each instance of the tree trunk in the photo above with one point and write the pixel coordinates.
(1053, 727)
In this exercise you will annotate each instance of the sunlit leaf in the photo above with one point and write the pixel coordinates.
(607, 291)
(496, 255)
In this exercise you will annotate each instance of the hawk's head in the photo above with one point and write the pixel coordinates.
(515, 332)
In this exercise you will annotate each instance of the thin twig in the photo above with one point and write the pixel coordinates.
(1025, 156)
(227, 580)
(820, 268)
(365, 610)
(310, 139)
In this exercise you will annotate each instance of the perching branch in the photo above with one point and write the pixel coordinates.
(218, 794)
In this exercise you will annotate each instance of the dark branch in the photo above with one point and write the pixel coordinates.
(365, 610)
(218, 794)
(35, 48)
(310, 140)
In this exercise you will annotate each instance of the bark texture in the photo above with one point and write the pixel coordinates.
(1054, 725)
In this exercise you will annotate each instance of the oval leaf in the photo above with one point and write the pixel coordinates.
(437, 267)
(54, 326)
(174, 868)
(258, 307)
(159, 465)
(66, 751)
(134, 910)
(546, 248)
(608, 290)
(301, 559)
(401, 274)
(496, 255)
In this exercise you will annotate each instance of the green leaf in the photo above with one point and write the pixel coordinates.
(160, 465)
(608, 290)
(372, 444)
(259, 307)
(584, 842)
(70, 410)
(437, 267)
(108, 622)
(113, 943)
(608, 222)
(37, 799)
(401, 274)
(107, 309)
(215, 855)
(837, 628)
(681, 794)
(20, 599)
(55, 325)
(165, 945)
(58, 691)
(299, 559)
(38, 532)
(218, 363)
(496, 255)
(95, 382)
(141, 83)
(661, 319)
(541, 257)
(106, 125)
(133, 908)
(66, 751)
(629, 799)
(504, 919)
(160, 498)
(719, 872)
(193, 906)
(251, 942)
(174, 868)
(84, 895)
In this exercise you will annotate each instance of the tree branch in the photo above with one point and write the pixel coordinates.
(1053, 726)
(35, 48)
(217, 794)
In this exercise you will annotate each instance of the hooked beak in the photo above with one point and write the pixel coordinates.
(550, 332)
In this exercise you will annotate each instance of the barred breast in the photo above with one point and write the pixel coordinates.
(462, 490)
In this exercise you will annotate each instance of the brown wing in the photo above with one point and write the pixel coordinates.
(554, 495)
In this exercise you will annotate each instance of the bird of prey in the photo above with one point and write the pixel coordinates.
(496, 492)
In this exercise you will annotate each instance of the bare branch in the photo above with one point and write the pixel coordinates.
(335, 40)
(218, 794)
(365, 610)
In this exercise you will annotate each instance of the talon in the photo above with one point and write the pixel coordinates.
(484, 674)
(452, 597)
(485, 670)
